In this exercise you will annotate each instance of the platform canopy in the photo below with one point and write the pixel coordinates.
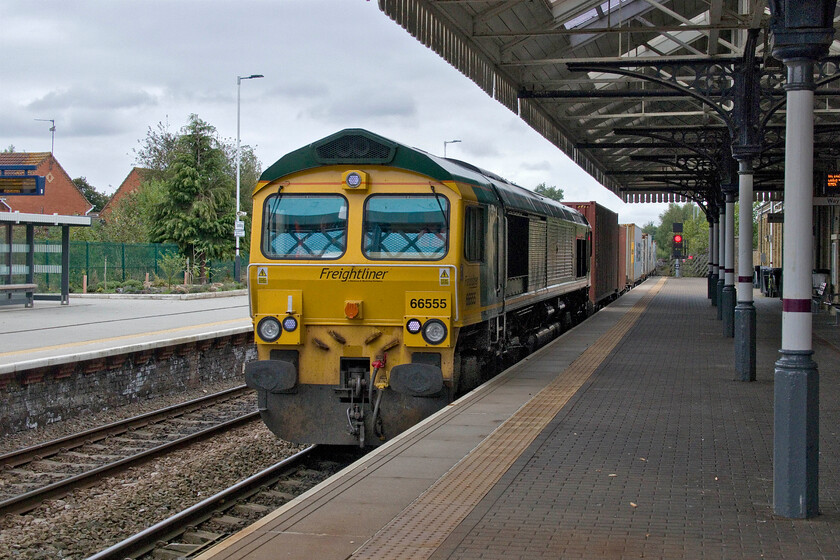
(650, 97)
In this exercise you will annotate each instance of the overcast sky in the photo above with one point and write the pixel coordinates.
(108, 70)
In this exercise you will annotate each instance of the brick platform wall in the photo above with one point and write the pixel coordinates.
(38, 397)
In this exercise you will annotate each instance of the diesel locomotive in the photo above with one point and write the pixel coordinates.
(385, 281)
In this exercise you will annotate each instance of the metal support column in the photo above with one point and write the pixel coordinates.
(714, 248)
(30, 258)
(9, 254)
(711, 258)
(802, 34)
(796, 405)
(721, 260)
(745, 309)
(728, 291)
(65, 265)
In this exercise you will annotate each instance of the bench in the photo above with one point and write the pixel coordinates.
(9, 291)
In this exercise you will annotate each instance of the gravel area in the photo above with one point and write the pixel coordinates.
(12, 442)
(96, 517)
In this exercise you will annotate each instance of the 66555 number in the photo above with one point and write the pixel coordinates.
(427, 303)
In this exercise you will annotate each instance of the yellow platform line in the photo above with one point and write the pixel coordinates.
(423, 526)
(115, 338)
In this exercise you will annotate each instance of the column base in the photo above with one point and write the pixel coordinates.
(796, 435)
(745, 340)
(713, 293)
(720, 298)
(728, 310)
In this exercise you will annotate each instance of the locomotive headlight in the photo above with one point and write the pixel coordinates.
(353, 180)
(434, 331)
(269, 329)
(290, 324)
(413, 326)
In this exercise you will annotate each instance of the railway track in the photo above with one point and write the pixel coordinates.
(196, 529)
(50, 470)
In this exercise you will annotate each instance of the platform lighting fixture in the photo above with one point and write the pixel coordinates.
(445, 142)
(237, 263)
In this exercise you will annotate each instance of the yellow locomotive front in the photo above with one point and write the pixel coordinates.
(354, 293)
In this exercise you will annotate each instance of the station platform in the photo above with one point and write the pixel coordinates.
(627, 437)
(92, 327)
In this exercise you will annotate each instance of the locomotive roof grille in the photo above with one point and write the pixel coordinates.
(353, 148)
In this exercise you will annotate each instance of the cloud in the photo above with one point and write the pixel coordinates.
(364, 105)
(105, 98)
(543, 165)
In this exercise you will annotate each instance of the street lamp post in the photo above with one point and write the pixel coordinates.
(448, 142)
(239, 230)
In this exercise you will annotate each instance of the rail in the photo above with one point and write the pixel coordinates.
(172, 527)
(29, 500)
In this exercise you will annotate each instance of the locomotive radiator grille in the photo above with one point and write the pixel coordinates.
(353, 147)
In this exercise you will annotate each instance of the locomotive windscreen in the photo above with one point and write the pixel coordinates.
(406, 227)
(305, 227)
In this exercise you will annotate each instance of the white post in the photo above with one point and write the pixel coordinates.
(745, 345)
(796, 378)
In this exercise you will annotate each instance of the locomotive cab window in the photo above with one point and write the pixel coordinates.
(304, 227)
(411, 227)
(474, 234)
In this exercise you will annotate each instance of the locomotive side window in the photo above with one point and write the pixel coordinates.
(304, 227)
(582, 259)
(474, 233)
(411, 227)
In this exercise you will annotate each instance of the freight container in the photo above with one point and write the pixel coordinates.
(605, 285)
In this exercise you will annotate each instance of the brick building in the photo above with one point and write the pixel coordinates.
(129, 185)
(60, 194)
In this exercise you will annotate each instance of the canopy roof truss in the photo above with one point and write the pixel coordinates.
(645, 95)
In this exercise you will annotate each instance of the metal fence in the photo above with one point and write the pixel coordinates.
(109, 262)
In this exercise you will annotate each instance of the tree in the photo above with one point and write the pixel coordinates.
(160, 150)
(10, 149)
(157, 151)
(93, 196)
(129, 221)
(197, 207)
(549, 192)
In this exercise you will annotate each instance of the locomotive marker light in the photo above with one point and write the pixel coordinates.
(413, 326)
(290, 324)
(238, 231)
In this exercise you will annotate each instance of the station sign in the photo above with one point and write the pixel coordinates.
(17, 180)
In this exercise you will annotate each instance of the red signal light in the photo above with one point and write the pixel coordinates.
(677, 238)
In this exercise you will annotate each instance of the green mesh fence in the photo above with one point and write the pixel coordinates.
(110, 262)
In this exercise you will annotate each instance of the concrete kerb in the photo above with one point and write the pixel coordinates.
(199, 295)
(7, 369)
